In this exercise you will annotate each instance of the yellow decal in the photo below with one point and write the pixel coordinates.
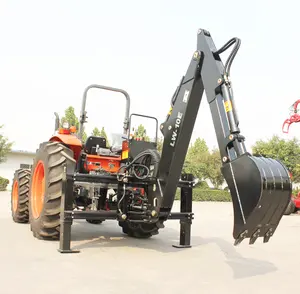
(125, 154)
(170, 111)
(228, 106)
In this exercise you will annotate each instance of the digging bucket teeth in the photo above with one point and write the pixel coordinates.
(261, 190)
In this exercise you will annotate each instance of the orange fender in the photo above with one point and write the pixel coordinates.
(71, 141)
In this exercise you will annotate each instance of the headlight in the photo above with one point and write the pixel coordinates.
(65, 125)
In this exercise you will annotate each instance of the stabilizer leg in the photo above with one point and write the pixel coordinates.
(65, 218)
(186, 200)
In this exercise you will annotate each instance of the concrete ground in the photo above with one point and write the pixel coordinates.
(109, 262)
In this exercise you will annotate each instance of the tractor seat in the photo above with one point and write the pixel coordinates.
(92, 142)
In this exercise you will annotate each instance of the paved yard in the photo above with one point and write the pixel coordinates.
(110, 262)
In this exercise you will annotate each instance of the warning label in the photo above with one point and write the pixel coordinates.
(228, 105)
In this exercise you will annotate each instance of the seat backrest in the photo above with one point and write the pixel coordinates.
(92, 142)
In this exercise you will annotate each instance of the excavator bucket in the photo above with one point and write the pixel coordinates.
(261, 190)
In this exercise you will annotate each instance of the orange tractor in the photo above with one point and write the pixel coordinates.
(44, 184)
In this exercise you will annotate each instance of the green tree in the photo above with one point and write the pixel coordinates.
(5, 147)
(288, 151)
(160, 142)
(73, 120)
(102, 133)
(197, 159)
(140, 131)
(214, 173)
(96, 132)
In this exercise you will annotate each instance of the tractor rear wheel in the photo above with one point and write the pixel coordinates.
(140, 231)
(46, 186)
(94, 221)
(19, 196)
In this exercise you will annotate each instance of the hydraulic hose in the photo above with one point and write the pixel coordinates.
(232, 55)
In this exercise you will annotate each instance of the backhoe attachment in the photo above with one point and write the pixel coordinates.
(260, 187)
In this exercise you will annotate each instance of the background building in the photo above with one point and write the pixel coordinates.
(15, 159)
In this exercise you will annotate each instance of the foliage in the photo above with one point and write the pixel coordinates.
(295, 191)
(3, 184)
(202, 185)
(102, 133)
(73, 120)
(160, 142)
(288, 151)
(96, 132)
(214, 168)
(197, 159)
(208, 195)
(140, 131)
(5, 147)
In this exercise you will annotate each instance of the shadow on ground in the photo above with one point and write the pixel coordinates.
(108, 235)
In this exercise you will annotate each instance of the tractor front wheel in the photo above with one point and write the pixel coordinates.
(19, 196)
(46, 188)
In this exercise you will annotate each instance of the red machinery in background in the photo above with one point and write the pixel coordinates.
(294, 117)
(294, 205)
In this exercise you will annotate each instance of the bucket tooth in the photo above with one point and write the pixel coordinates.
(240, 238)
(260, 189)
(268, 235)
(254, 237)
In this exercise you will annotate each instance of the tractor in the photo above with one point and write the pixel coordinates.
(71, 179)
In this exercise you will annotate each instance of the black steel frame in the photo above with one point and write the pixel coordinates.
(67, 215)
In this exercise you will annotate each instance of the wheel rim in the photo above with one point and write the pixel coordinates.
(15, 196)
(38, 189)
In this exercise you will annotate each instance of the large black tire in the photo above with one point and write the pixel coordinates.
(290, 208)
(139, 231)
(19, 196)
(94, 221)
(144, 230)
(49, 161)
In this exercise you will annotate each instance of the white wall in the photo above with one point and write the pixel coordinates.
(12, 163)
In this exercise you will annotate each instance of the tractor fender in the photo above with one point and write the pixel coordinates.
(70, 141)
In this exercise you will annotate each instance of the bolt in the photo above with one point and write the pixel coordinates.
(224, 159)
(161, 127)
(219, 81)
(170, 128)
(230, 137)
(199, 31)
(153, 213)
(123, 216)
(196, 55)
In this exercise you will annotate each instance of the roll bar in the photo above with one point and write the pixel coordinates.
(83, 105)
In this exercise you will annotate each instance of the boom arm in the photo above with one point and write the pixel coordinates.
(260, 188)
